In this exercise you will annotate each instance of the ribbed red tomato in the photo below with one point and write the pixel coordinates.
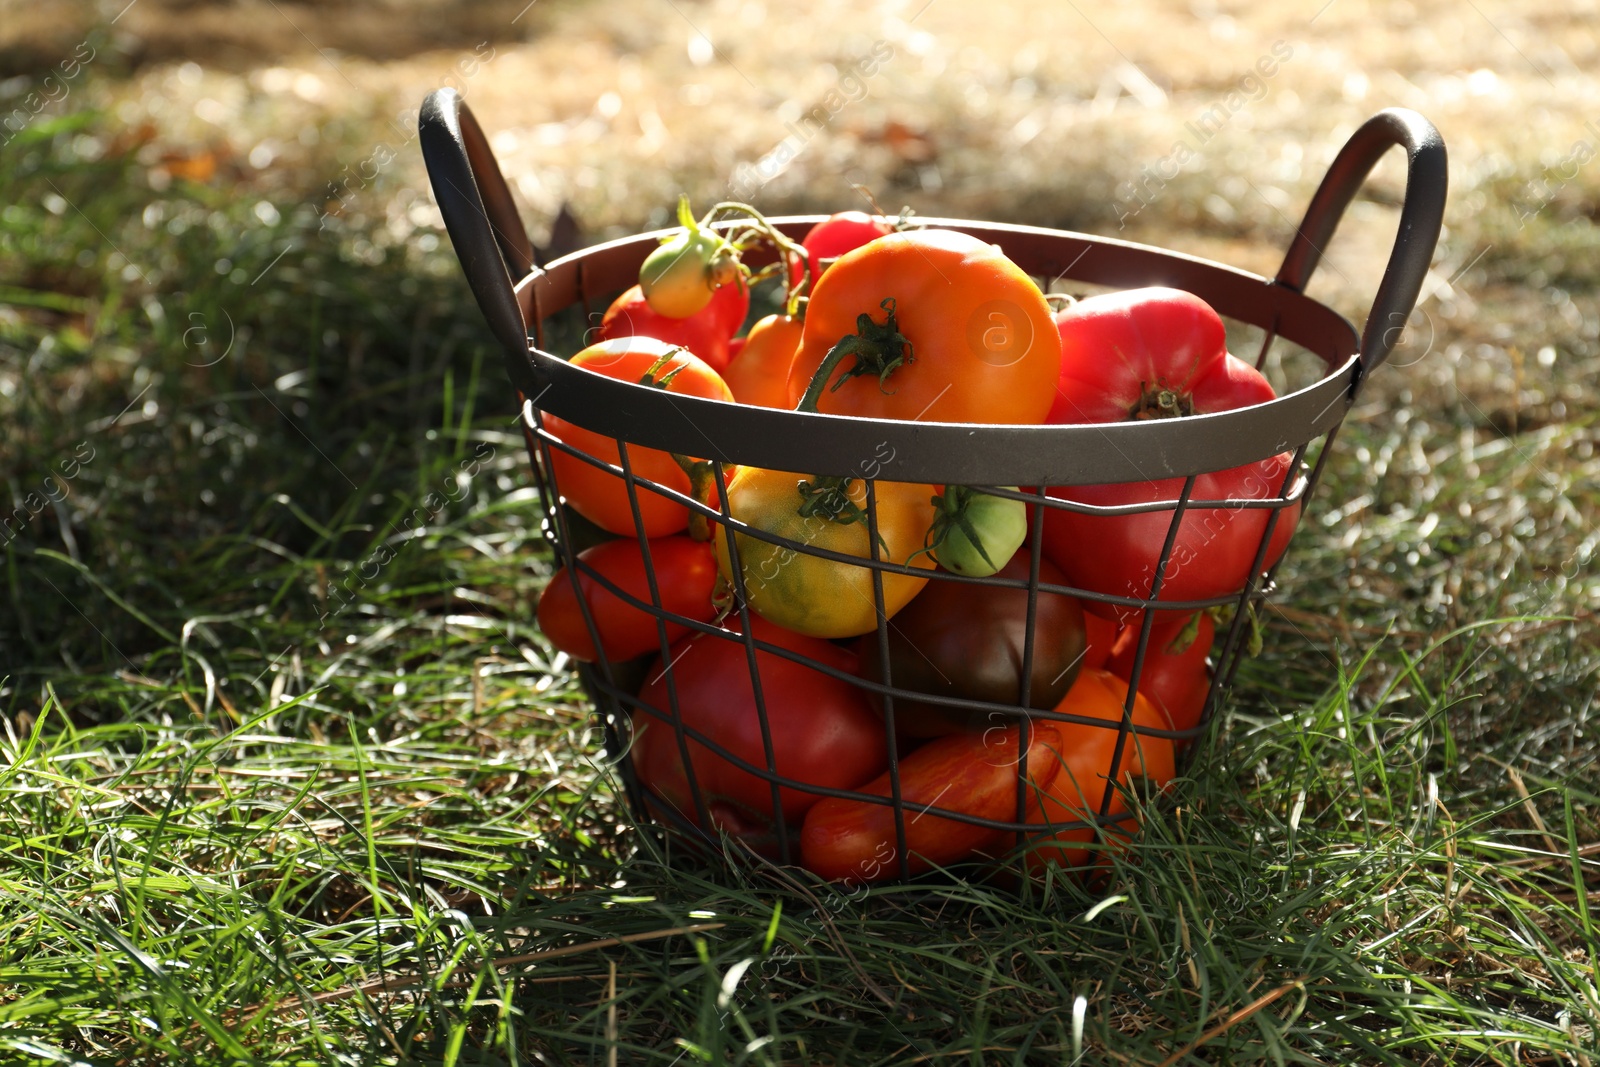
(1102, 635)
(972, 773)
(836, 235)
(1147, 354)
(1174, 676)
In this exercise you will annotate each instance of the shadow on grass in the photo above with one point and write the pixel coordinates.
(227, 413)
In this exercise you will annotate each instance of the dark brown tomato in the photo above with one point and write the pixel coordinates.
(957, 639)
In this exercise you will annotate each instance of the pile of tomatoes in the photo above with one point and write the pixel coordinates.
(885, 319)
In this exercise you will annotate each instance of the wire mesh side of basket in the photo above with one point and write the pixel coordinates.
(615, 685)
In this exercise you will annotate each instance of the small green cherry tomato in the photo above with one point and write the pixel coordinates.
(680, 277)
(976, 533)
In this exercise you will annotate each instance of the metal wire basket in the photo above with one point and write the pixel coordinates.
(518, 296)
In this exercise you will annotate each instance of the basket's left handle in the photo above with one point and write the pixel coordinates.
(484, 227)
(1420, 219)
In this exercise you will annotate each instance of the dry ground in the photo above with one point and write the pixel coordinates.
(1025, 112)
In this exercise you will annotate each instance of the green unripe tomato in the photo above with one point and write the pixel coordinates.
(679, 277)
(974, 525)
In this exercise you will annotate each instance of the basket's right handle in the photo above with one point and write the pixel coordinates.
(1420, 218)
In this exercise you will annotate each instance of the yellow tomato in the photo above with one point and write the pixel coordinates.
(810, 594)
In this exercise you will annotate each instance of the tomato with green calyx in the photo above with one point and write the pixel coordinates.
(854, 841)
(1148, 354)
(927, 324)
(1086, 751)
(601, 496)
(810, 594)
(967, 641)
(686, 574)
(822, 731)
(1174, 676)
(680, 277)
(707, 333)
(760, 373)
(976, 533)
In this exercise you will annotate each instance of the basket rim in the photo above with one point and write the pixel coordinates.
(1295, 492)
(966, 453)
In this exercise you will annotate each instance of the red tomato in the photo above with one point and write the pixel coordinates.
(1102, 633)
(823, 731)
(1086, 751)
(1145, 354)
(928, 324)
(836, 235)
(602, 497)
(972, 773)
(760, 373)
(729, 306)
(1159, 353)
(707, 333)
(1174, 676)
(686, 574)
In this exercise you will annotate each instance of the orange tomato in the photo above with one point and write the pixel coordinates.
(602, 497)
(975, 774)
(1085, 756)
(929, 324)
(759, 374)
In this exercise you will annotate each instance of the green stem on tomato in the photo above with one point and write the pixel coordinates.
(649, 376)
(902, 221)
(700, 474)
(878, 348)
(1157, 400)
(786, 246)
(1184, 638)
(686, 215)
(950, 513)
(828, 496)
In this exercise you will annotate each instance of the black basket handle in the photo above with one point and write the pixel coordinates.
(1420, 218)
(478, 211)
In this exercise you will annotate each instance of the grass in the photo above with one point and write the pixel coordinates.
(288, 778)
